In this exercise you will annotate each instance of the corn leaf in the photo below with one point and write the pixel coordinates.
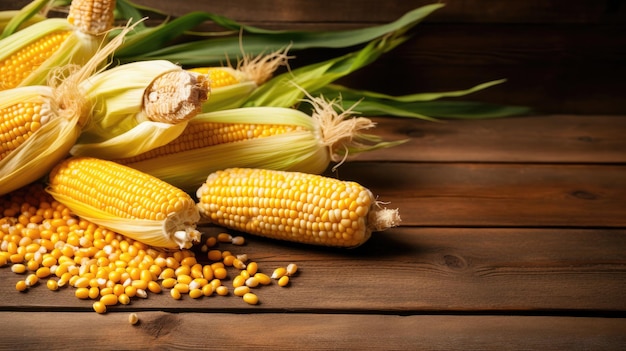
(421, 105)
(287, 89)
(153, 43)
(23, 16)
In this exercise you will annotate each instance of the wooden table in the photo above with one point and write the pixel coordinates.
(512, 238)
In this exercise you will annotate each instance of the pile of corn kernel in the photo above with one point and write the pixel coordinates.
(45, 244)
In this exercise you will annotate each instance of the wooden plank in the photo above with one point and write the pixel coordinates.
(371, 11)
(533, 139)
(59, 331)
(524, 195)
(410, 271)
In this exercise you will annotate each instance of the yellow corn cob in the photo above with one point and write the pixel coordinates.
(139, 106)
(231, 86)
(28, 55)
(126, 201)
(269, 137)
(39, 124)
(293, 206)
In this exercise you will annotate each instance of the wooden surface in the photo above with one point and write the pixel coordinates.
(514, 230)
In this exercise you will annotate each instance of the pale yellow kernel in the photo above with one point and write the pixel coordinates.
(279, 272)
(133, 318)
(196, 293)
(292, 268)
(241, 290)
(221, 290)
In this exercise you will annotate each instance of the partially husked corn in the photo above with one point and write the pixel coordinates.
(125, 200)
(293, 206)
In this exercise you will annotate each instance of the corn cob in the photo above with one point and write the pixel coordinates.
(28, 55)
(139, 106)
(293, 206)
(231, 86)
(126, 201)
(257, 137)
(40, 124)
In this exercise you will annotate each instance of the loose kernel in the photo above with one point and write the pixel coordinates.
(252, 268)
(18, 268)
(283, 281)
(220, 273)
(168, 283)
(237, 263)
(241, 290)
(52, 284)
(167, 273)
(214, 255)
(182, 288)
(239, 281)
(279, 272)
(109, 299)
(207, 290)
(141, 293)
(176, 294)
(292, 268)
(228, 260)
(21, 285)
(221, 290)
(43, 272)
(263, 279)
(82, 293)
(154, 287)
(238, 240)
(99, 307)
(123, 299)
(133, 318)
(207, 272)
(31, 280)
(252, 282)
(195, 293)
(184, 279)
(211, 241)
(251, 298)
(224, 238)
(93, 293)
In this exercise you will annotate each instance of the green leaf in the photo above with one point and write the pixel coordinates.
(23, 15)
(254, 40)
(422, 105)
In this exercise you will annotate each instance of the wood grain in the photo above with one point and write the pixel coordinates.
(218, 331)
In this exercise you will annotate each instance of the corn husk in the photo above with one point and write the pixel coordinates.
(324, 137)
(53, 141)
(122, 124)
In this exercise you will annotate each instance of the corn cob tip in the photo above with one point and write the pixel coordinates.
(176, 96)
(93, 17)
(380, 219)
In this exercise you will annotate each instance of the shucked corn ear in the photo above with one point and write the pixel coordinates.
(39, 124)
(258, 137)
(293, 206)
(231, 86)
(28, 55)
(127, 201)
(139, 106)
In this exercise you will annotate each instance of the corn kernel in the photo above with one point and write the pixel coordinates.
(82, 293)
(133, 318)
(263, 279)
(221, 290)
(252, 282)
(195, 293)
(292, 268)
(52, 284)
(251, 298)
(175, 294)
(123, 299)
(241, 290)
(21, 285)
(18, 268)
(109, 300)
(220, 273)
(283, 281)
(99, 307)
(252, 268)
(224, 238)
(207, 290)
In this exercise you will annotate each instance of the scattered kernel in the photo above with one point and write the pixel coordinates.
(283, 281)
(21, 285)
(133, 318)
(221, 290)
(292, 268)
(251, 298)
(224, 238)
(99, 307)
(238, 240)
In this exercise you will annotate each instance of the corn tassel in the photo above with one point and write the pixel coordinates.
(139, 106)
(258, 137)
(39, 124)
(293, 206)
(126, 201)
(231, 86)
(29, 55)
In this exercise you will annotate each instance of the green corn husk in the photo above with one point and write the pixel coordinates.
(422, 105)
